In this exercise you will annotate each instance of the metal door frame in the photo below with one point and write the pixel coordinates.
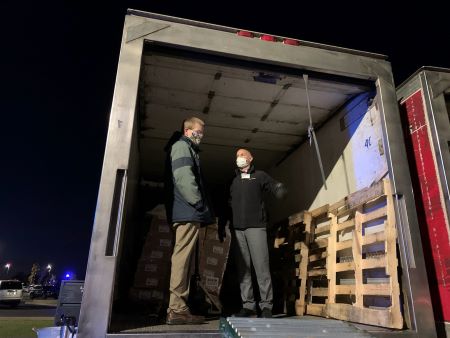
(99, 283)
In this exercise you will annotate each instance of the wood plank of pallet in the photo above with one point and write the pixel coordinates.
(346, 266)
(296, 218)
(312, 228)
(319, 243)
(344, 245)
(319, 292)
(373, 215)
(345, 225)
(322, 229)
(344, 212)
(368, 316)
(374, 238)
(375, 203)
(317, 272)
(373, 263)
(335, 207)
(319, 211)
(362, 196)
(279, 242)
(318, 256)
(316, 310)
(377, 289)
(303, 265)
(345, 289)
(391, 256)
(331, 259)
(317, 264)
(357, 258)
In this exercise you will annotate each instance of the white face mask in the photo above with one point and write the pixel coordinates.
(241, 162)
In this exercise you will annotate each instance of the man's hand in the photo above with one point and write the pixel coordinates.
(199, 205)
(280, 191)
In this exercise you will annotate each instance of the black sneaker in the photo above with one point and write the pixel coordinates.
(245, 313)
(266, 313)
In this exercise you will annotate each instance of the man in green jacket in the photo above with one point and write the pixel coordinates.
(187, 208)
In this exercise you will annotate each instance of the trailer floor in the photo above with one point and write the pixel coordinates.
(231, 327)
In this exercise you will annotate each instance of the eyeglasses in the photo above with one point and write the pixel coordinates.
(197, 132)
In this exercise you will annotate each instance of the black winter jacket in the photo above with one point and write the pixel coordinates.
(247, 198)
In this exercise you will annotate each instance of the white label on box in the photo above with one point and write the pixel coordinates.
(212, 282)
(156, 254)
(150, 267)
(144, 294)
(157, 294)
(212, 261)
(163, 228)
(165, 242)
(218, 250)
(151, 282)
(208, 273)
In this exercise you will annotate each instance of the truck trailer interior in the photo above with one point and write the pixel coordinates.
(254, 106)
(245, 102)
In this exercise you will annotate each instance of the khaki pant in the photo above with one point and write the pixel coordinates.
(186, 236)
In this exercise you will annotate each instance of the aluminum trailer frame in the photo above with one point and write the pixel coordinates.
(425, 95)
(435, 84)
(143, 28)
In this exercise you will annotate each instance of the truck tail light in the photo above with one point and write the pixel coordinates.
(267, 38)
(291, 42)
(246, 34)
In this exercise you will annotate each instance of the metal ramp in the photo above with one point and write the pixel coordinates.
(233, 327)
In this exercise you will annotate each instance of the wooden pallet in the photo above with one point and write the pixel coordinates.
(288, 234)
(349, 263)
(313, 267)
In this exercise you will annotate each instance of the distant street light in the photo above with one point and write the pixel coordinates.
(7, 266)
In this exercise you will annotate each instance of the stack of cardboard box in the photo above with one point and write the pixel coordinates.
(151, 280)
(213, 261)
(152, 277)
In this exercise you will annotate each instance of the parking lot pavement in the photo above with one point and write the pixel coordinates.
(43, 302)
(31, 308)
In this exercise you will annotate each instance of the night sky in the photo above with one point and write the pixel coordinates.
(58, 66)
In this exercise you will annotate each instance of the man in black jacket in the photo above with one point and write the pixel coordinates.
(187, 209)
(249, 223)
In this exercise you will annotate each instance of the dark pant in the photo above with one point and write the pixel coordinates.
(251, 247)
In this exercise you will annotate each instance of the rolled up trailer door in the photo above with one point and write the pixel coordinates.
(120, 169)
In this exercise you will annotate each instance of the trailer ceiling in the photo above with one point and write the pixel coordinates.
(265, 112)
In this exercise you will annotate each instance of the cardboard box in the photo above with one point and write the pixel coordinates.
(152, 280)
(153, 267)
(156, 254)
(152, 274)
(148, 295)
(156, 243)
(213, 261)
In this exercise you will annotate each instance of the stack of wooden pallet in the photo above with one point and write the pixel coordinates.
(284, 260)
(348, 260)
